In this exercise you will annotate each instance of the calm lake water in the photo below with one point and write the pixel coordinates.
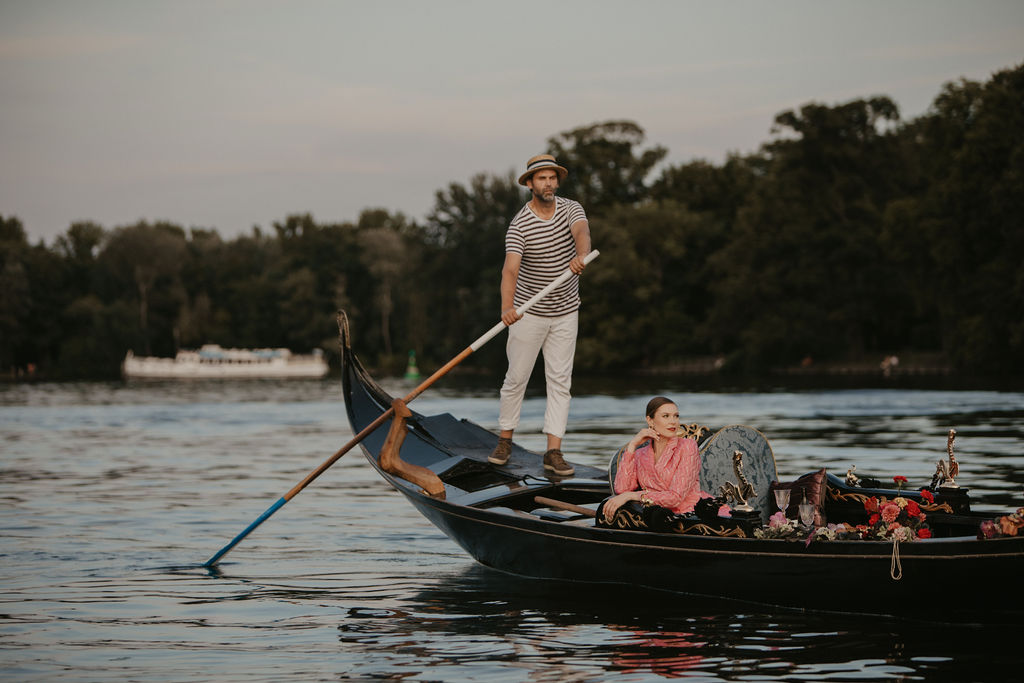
(113, 495)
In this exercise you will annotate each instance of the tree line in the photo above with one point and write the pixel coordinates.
(849, 235)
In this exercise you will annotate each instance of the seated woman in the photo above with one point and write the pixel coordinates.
(657, 467)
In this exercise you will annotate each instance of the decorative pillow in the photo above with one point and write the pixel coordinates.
(810, 486)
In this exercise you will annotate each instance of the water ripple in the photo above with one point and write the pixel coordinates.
(114, 495)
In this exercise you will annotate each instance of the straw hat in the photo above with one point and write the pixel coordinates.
(539, 162)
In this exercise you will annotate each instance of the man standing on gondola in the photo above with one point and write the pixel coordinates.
(548, 235)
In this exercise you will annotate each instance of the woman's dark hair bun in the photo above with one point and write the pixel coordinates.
(655, 403)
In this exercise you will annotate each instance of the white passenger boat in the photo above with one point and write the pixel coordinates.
(211, 360)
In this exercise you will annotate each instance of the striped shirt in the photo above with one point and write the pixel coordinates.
(546, 248)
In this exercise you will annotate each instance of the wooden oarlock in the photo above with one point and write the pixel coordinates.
(391, 461)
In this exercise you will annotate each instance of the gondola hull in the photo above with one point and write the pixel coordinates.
(851, 576)
(492, 514)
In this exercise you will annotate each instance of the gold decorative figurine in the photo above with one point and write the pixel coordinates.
(851, 478)
(738, 493)
(954, 466)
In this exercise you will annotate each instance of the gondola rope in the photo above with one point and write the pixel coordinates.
(896, 568)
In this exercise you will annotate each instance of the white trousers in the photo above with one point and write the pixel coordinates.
(556, 338)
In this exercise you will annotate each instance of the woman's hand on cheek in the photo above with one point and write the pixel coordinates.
(643, 435)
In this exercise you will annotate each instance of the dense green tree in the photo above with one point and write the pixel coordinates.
(102, 334)
(384, 257)
(959, 239)
(803, 273)
(849, 234)
(204, 315)
(144, 256)
(34, 288)
(644, 298)
(718, 191)
(80, 246)
(15, 292)
(606, 166)
(50, 289)
(466, 234)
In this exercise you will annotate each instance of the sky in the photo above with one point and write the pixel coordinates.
(230, 114)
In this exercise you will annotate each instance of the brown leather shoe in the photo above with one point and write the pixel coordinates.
(554, 462)
(501, 452)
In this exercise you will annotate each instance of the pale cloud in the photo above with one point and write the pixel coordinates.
(993, 40)
(67, 45)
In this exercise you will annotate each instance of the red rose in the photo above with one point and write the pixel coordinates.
(871, 504)
(873, 519)
(927, 496)
(924, 533)
(913, 509)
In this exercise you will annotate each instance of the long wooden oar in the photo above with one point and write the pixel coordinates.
(383, 417)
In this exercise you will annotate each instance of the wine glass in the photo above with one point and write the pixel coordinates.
(782, 499)
(806, 513)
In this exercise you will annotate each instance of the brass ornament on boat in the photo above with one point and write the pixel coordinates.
(851, 478)
(693, 431)
(837, 496)
(703, 529)
(739, 493)
(945, 476)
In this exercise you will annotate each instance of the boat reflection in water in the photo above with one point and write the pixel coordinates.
(212, 361)
(666, 653)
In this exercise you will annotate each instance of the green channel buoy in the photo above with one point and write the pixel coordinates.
(411, 371)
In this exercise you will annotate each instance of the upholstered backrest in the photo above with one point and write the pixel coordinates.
(758, 464)
(613, 468)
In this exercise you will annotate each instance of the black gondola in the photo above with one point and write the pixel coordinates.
(518, 519)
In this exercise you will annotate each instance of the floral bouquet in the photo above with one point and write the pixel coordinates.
(1007, 525)
(900, 518)
(780, 526)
